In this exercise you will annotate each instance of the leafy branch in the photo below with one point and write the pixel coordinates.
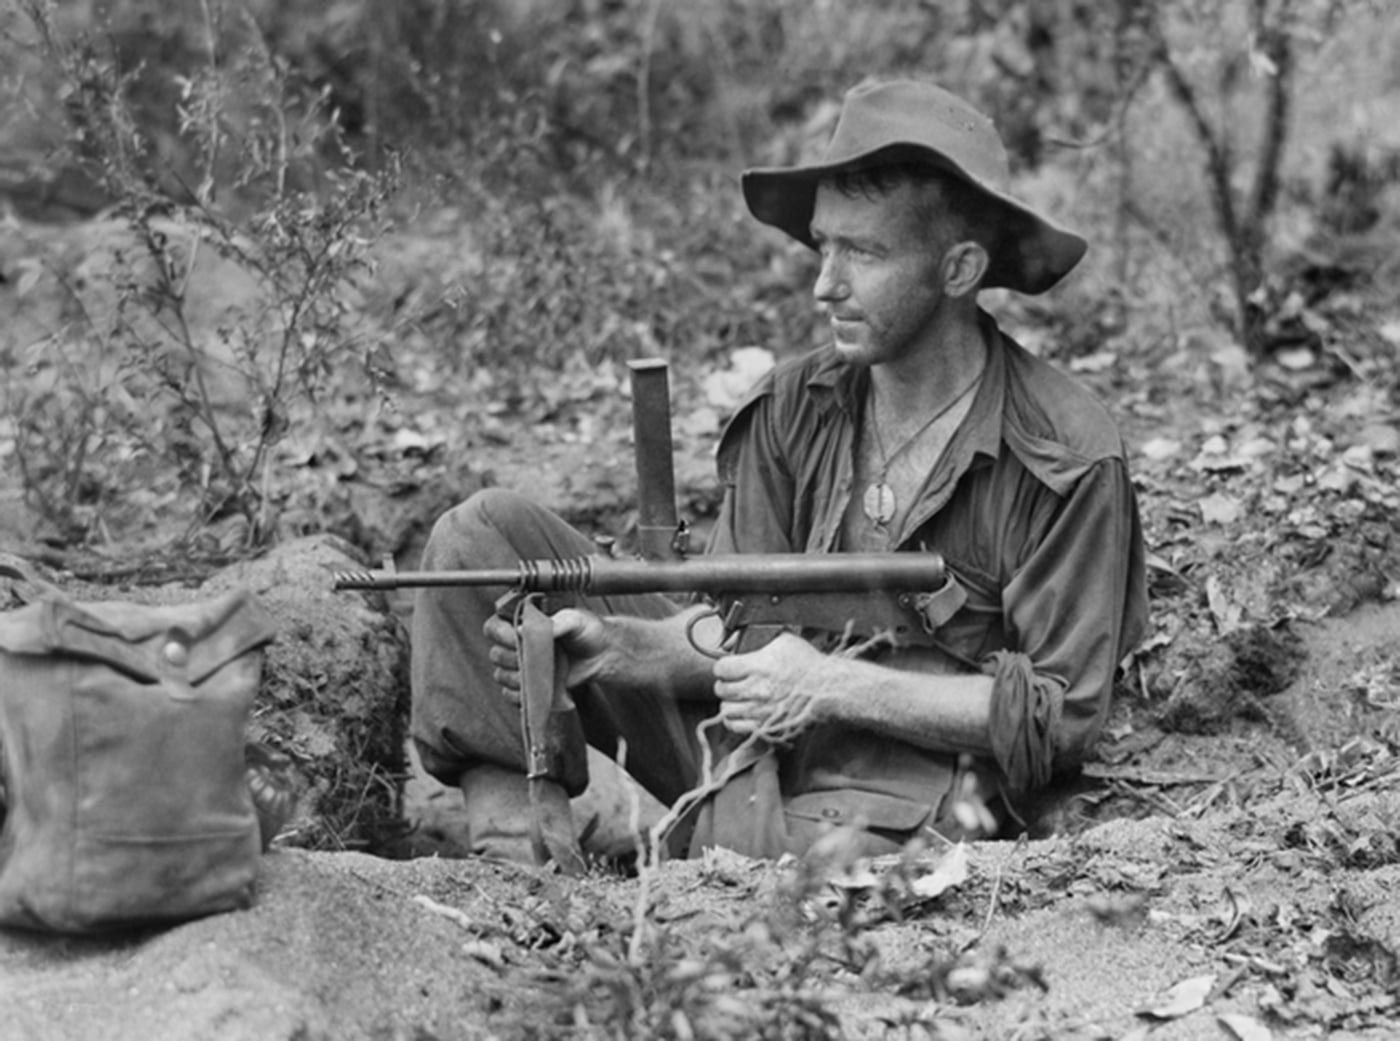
(1273, 29)
(272, 196)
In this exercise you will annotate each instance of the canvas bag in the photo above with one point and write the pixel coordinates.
(122, 742)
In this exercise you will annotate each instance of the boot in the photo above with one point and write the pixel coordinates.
(499, 816)
(614, 815)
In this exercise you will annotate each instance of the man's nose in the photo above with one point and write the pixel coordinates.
(830, 285)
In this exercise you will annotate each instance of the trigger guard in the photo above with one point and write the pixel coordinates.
(690, 633)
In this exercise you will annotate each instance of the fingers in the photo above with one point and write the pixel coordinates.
(736, 691)
(728, 669)
(756, 699)
(739, 677)
(742, 704)
(499, 631)
(506, 672)
(776, 719)
(568, 622)
(579, 633)
(504, 657)
(735, 723)
(784, 654)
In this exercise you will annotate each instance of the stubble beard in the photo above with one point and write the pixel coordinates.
(863, 347)
(855, 346)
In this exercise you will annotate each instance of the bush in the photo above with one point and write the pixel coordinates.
(166, 389)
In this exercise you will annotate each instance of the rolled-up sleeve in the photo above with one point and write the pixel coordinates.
(1075, 606)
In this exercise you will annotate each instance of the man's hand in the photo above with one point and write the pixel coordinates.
(779, 689)
(580, 635)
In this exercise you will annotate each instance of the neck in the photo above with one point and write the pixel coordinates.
(949, 356)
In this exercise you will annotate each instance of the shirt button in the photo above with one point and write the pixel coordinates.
(176, 654)
(830, 812)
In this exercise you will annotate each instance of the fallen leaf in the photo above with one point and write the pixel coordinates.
(726, 388)
(951, 871)
(412, 442)
(1218, 508)
(450, 913)
(1232, 359)
(1163, 576)
(1154, 642)
(1235, 910)
(1096, 362)
(1339, 479)
(1160, 448)
(1381, 438)
(1183, 998)
(1227, 613)
(485, 952)
(1245, 1028)
(1296, 359)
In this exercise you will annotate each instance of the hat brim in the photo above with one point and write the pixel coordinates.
(1030, 254)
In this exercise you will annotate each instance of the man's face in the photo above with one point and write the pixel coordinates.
(880, 283)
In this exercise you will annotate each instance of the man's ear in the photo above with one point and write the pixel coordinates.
(964, 265)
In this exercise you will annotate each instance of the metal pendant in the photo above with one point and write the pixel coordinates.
(878, 503)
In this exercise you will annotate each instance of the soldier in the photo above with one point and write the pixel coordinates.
(921, 426)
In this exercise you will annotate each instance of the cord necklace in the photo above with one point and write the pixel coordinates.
(879, 502)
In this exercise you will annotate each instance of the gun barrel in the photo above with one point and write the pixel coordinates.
(416, 579)
(734, 574)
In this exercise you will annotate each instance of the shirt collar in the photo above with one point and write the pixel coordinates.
(981, 431)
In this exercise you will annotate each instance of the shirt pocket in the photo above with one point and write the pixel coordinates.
(875, 811)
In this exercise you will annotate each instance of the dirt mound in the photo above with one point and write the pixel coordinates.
(1064, 938)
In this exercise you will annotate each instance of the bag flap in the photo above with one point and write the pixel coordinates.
(147, 641)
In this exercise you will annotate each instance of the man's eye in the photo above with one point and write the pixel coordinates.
(845, 250)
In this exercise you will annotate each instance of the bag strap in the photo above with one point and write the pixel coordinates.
(542, 694)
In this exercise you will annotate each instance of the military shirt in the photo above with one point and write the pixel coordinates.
(1031, 506)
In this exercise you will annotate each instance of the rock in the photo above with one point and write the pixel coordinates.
(334, 695)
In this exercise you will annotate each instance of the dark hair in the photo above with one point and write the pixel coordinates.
(963, 208)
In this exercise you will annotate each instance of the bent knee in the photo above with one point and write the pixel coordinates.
(490, 509)
(478, 526)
